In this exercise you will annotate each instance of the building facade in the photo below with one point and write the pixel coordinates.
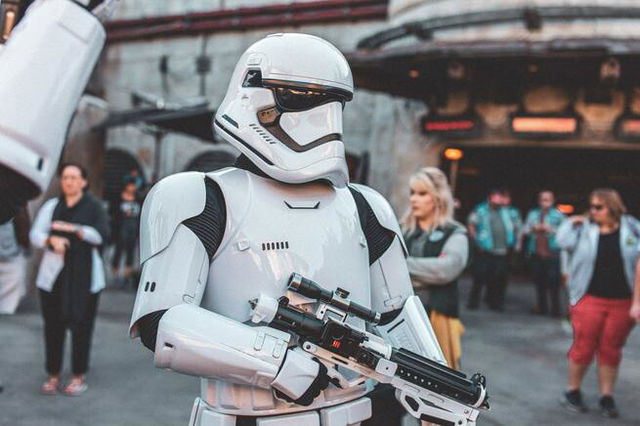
(164, 67)
(565, 70)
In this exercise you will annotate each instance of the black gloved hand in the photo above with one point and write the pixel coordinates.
(318, 385)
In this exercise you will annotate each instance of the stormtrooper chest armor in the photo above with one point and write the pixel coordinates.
(274, 229)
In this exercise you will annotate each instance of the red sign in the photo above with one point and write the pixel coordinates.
(627, 128)
(452, 127)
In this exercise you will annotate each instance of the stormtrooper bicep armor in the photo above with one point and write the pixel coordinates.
(173, 258)
(182, 225)
(44, 68)
(405, 322)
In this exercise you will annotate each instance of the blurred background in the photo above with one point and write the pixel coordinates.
(516, 94)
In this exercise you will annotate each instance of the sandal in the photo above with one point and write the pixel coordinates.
(50, 386)
(75, 387)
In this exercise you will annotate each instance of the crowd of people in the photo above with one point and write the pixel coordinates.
(595, 255)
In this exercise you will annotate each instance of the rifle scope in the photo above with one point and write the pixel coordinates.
(313, 290)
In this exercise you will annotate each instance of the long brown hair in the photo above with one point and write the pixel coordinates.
(612, 200)
(434, 181)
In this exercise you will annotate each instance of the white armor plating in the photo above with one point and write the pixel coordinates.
(348, 414)
(308, 126)
(272, 230)
(250, 355)
(307, 63)
(44, 68)
(283, 112)
(412, 330)
(268, 236)
(165, 207)
(390, 281)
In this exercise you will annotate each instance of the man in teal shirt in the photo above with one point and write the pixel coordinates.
(540, 229)
(493, 229)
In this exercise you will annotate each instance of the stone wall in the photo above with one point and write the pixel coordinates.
(135, 66)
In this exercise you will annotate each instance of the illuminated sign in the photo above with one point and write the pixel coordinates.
(627, 128)
(545, 126)
(452, 126)
(566, 208)
(453, 154)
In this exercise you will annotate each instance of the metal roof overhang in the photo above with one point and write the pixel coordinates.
(533, 17)
(192, 121)
(388, 70)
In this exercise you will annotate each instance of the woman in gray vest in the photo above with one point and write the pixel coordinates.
(438, 253)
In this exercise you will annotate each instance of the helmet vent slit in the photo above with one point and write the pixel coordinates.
(264, 135)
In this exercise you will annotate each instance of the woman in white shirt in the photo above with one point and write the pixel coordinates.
(71, 229)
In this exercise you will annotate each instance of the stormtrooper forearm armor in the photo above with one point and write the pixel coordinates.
(192, 340)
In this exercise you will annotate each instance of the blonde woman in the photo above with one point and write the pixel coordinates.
(438, 253)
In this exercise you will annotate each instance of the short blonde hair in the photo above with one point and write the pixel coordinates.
(434, 181)
(612, 200)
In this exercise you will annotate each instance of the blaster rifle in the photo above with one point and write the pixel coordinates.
(427, 389)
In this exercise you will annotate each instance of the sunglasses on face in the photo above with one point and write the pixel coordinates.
(596, 207)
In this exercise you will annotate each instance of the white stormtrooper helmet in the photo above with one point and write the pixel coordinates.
(283, 108)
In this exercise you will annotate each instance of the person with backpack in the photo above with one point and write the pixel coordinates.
(604, 248)
(438, 253)
(128, 224)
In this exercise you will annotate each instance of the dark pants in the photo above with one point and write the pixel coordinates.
(128, 247)
(489, 271)
(546, 275)
(55, 329)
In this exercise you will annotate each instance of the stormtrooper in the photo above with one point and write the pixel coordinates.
(44, 68)
(212, 242)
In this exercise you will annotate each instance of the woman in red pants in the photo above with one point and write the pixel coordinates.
(604, 250)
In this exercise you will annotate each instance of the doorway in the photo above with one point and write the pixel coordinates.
(571, 173)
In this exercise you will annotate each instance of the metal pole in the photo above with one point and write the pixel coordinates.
(156, 156)
(453, 176)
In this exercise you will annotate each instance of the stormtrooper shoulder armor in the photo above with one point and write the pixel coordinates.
(170, 202)
(380, 208)
(181, 224)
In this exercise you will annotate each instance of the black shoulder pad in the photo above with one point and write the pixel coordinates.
(378, 237)
(209, 225)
